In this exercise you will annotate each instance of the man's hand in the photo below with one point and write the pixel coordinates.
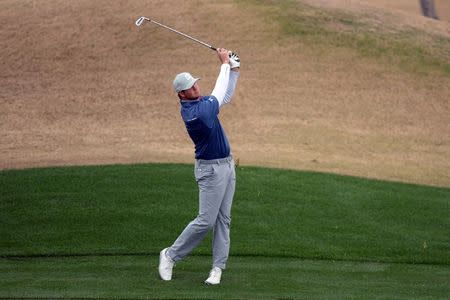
(223, 55)
(235, 61)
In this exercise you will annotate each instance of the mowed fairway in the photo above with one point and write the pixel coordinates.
(95, 232)
(135, 277)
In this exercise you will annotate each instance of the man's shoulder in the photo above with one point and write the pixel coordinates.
(204, 108)
(209, 98)
(209, 104)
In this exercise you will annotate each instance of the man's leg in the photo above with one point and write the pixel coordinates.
(211, 191)
(221, 238)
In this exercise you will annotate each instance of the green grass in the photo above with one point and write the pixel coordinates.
(135, 277)
(95, 232)
(412, 49)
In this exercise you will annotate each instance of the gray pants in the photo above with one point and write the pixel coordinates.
(216, 181)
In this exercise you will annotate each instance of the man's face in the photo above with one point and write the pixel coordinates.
(191, 94)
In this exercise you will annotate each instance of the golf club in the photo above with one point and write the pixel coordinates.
(141, 20)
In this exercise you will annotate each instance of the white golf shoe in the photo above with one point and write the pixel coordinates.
(214, 276)
(165, 265)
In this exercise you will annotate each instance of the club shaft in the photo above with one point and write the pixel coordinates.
(183, 34)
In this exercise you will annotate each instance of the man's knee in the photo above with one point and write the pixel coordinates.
(204, 223)
(224, 219)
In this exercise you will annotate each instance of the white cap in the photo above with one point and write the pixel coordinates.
(183, 81)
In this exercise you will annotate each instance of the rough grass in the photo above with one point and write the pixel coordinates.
(322, 90)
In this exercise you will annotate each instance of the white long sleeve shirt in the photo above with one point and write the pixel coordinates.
(225, 84)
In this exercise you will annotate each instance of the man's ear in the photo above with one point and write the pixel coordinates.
(181, 95)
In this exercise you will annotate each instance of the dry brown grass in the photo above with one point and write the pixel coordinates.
(80, 84)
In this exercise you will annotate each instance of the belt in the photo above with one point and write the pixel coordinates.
(215, 161)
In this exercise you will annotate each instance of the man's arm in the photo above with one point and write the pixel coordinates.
(222, 80)
(226, 81)
(220, 88)
(234, 75)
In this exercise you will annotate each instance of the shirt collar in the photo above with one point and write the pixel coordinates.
(190, 101)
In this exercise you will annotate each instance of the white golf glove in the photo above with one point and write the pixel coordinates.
(235, 61)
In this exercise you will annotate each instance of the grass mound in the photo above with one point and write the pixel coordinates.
(97, 231)
(329, 90)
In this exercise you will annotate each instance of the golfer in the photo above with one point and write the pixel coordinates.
(214, 167)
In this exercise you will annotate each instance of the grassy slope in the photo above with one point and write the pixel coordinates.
(306, 215)
(417, 50)
(295, 234)
(355, 93)
(372, 124)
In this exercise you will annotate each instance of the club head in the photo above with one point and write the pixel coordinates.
(141, 20)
